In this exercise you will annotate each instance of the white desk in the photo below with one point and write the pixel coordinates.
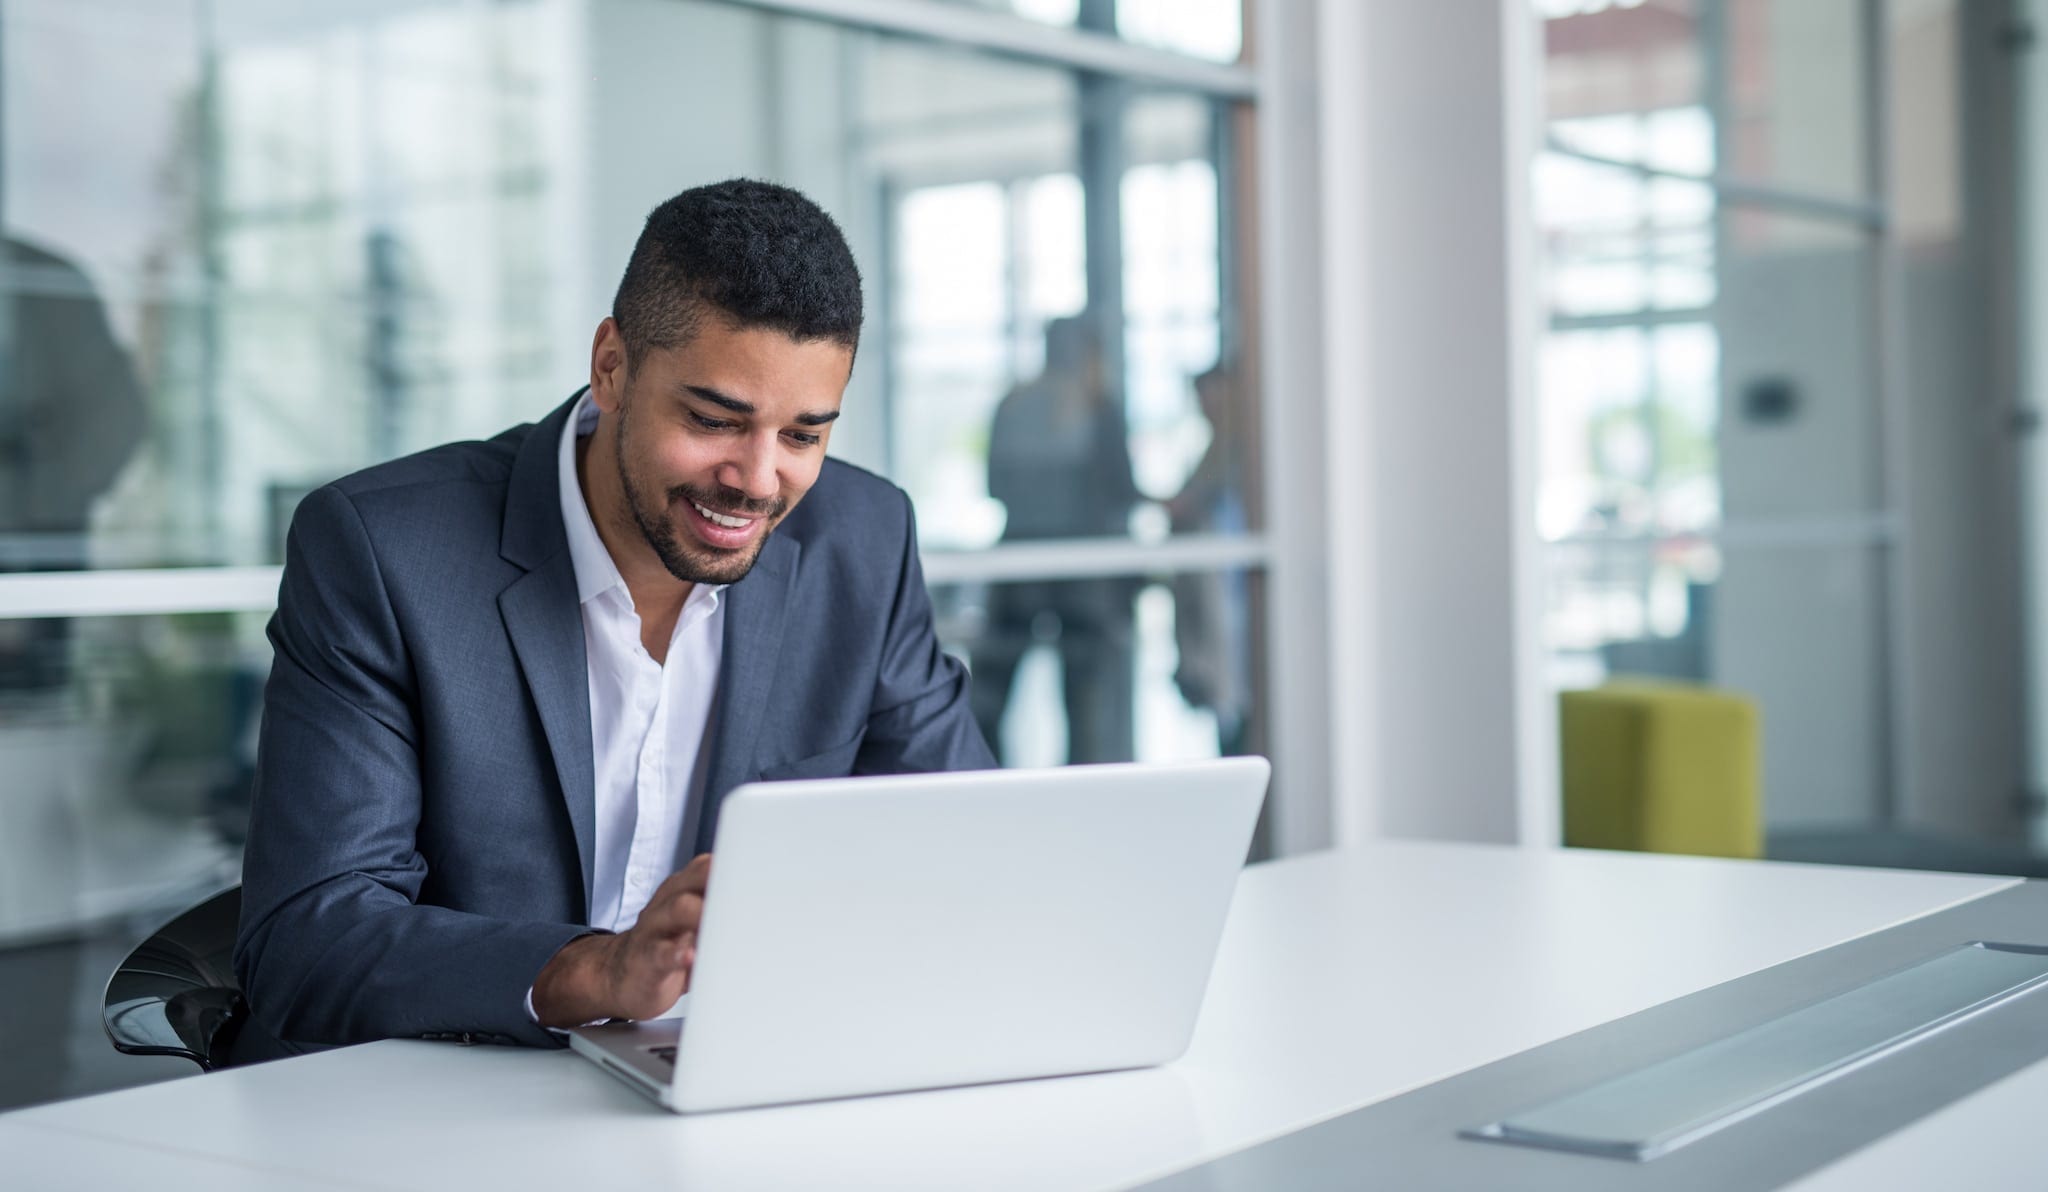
(1344, 979)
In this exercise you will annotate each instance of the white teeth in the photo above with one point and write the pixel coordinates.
(720, 519)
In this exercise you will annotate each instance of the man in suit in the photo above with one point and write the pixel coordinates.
(513, 679)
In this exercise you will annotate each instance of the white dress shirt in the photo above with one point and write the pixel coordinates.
(647, 718)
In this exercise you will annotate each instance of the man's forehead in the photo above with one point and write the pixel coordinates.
(755, 370)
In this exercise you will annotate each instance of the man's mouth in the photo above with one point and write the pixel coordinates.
(721, 519)
(721, 530)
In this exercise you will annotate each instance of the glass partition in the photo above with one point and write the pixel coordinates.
(1206, 29)
(1782, 413)
(253, 246)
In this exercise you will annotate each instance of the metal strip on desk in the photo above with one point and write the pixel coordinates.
(1659, 1108)
(1980, 1029)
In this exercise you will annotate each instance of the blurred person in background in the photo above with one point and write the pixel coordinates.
(1212, 609)
(1059, 461)
(71, 415)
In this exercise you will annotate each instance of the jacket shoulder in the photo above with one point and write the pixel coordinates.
(486, 462)
(854, 522)
(438, 512)
(850, 503)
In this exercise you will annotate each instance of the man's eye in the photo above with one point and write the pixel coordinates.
(803, 438)
(709, 423)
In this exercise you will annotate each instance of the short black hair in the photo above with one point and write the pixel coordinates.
(754, 253)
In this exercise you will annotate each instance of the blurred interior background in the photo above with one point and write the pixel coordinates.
(1410, 365)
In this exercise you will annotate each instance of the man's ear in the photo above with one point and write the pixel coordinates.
(608, 368)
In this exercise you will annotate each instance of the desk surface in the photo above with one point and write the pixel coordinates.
(1344, 979)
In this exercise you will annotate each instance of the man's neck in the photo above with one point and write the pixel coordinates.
(657, 595)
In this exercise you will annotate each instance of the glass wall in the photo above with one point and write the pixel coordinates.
(1208, 29)
(1774, 456)
(254, 246)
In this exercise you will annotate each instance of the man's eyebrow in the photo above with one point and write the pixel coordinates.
(736, 405)
(722, 400)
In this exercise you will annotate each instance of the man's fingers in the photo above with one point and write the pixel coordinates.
(671, 913)
(678, 902)
(694, 876)
(650, 961)
(656, 953)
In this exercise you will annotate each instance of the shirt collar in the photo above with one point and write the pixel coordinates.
(596, 572)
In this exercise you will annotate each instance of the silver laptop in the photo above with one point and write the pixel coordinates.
(872, 935)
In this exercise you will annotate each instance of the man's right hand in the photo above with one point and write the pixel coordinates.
(638, 973)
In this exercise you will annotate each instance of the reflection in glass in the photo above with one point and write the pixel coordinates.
(1208, 29)
(126, 799)
(1797, 628)
(1058, 465)
(1630, 431)
(1798, 102)
(1601, 57)
(980, 269)
(1643, 606)
(316, 235)
(1625, 239)
(1057, 460)
(1089, 626)
(1708, 360)
(342, 234)
(1214, 615)
(979, 266)
(1172, 295)
(1801, 409)
(71, 411)
(1802, 631)
(1177, 685)
(255, 246)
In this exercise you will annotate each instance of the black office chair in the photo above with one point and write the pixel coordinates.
(176, 994)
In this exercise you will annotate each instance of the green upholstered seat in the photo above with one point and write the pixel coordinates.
(1661, 767)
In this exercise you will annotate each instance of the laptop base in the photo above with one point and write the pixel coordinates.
(642, 1054)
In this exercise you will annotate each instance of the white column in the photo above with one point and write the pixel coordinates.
(1407, 593)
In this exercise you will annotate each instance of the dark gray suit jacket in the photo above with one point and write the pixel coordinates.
(421, 839)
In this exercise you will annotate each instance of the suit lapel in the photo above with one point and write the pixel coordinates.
(550, 650)
(545, 623)
(756, 609)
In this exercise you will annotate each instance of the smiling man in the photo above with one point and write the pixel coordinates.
(514, 679)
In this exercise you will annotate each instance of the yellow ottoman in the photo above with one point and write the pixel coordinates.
(1662, 768)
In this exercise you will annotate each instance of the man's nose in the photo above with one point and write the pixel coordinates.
(752, 469)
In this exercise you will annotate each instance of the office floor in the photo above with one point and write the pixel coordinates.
(50, 1035)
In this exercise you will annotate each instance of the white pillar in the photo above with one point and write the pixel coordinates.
(1407, 589)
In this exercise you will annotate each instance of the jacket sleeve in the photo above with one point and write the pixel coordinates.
(332, 947)
(920, 718)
